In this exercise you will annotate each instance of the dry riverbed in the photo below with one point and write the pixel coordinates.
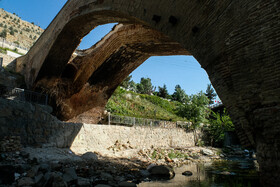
(120, 165)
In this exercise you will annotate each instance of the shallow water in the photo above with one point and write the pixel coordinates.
(231, 173)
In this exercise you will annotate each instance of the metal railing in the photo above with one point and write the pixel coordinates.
(23, 95)
(133, 121)
(216, 105)
(3, 40)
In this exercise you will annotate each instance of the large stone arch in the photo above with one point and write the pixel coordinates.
(236, 42)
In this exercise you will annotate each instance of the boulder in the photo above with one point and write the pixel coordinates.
(33, 171)
(44, 168)
(38, 179)
(43, 180)
(26, 181)
(83, 182)
(90, 157)
(24, 154)
(187, 173)
(207, 152)
(144, 173)
(162, 171)
(57, 180)
(107, 176)
(70, 176)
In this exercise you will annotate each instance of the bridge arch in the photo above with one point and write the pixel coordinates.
(236, 42)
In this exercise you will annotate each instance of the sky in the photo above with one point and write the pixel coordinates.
(169, 70)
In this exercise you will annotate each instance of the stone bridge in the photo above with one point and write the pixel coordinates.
(236, 42)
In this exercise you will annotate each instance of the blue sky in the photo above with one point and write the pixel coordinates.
(171, 70)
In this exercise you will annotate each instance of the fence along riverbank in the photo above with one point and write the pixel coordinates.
(133, 121)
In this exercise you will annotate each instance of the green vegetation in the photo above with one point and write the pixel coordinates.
(4, 50)
(145, 105)
(219, 124)
(210, 93)
(179, 94)
(195, 109)
(177, 154)
(164, 153)
(16, 42)
(176, 107)
(162, 92)
(145, 86)
(128, 103)
(3, 34)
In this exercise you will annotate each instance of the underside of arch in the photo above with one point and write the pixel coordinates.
(91, 76)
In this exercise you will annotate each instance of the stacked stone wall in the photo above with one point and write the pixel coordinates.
(101, 137)
(33, 125)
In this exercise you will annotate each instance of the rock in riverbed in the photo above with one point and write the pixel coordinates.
(161, 171)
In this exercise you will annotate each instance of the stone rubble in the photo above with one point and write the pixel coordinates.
(10, 143)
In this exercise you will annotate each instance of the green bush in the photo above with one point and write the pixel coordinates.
(12, 32)
(218, 125)
(3, 34)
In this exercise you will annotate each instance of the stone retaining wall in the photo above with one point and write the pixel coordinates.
(6, 59)
(35, 126)
(101, 137)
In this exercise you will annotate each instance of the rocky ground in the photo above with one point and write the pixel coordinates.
(61, 167)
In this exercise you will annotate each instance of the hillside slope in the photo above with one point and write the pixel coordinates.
(127, 103)
(17, 30)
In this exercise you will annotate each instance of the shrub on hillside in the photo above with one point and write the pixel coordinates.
(3, 34)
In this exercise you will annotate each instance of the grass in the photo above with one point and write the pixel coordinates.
(172, 154)
(4, 50)
(127, 103)
(177, 154)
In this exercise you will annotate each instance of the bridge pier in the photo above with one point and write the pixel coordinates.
(267, 136)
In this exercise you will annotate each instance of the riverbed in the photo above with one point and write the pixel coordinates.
(232, 172)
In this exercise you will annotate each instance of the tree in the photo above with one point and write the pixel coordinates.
(179, 94)
(210, 93)
(125, 82)
(3, 34)
(145, 86)
(129, 84)
(12, 32)
(162, 91)
(196, 111)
